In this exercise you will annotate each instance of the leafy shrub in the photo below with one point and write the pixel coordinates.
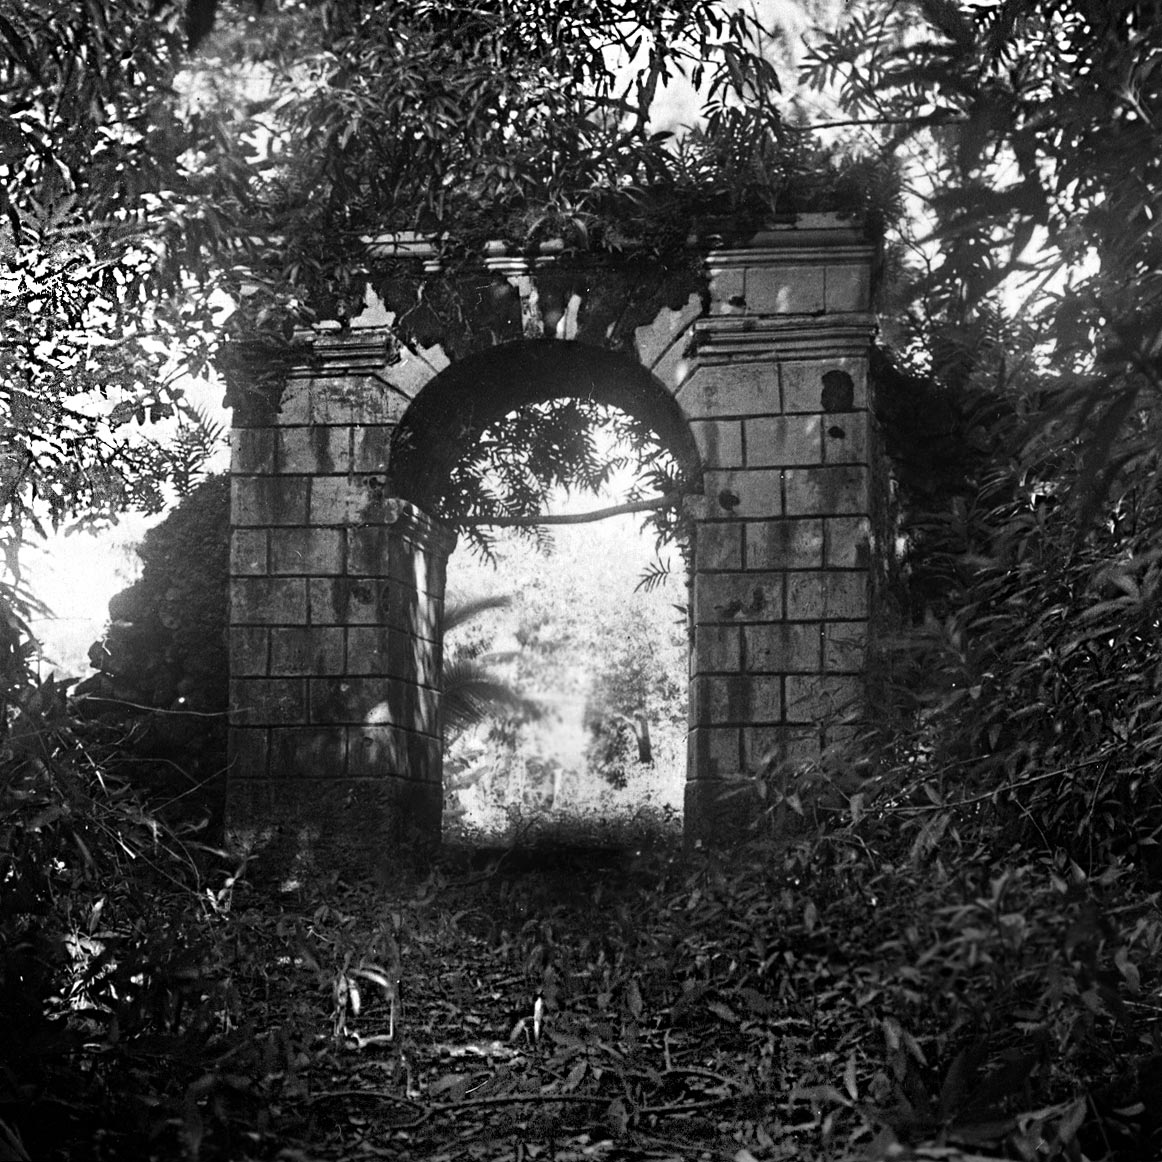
(1024, 674)
(112, 986)
(166, 651)
(1031, 676)
(896, 981)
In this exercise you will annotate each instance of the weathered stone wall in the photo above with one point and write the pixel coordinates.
(776, 393)
(337, 584)
(336, 596)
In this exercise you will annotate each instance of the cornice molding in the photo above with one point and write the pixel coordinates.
(725, 337)
(331, 350)
(797, 249)
(825, 233)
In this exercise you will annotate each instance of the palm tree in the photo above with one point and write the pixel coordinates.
(471, 690)
(471, 693)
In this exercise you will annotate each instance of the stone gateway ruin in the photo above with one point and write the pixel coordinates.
(749, 359)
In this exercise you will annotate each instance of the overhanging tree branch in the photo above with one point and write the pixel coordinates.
(919, 122)
(573, 518)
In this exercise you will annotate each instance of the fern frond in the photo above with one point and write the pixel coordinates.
(655, 574)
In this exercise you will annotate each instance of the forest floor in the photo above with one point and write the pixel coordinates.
(589, 1003)
(631, 1058)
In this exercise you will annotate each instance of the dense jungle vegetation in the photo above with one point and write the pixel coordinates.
(947, 945)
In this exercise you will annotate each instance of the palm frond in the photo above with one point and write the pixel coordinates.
(472, 693)
(457, 613)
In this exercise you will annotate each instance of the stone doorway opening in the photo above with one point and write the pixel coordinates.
(565, 670)
(565, 680)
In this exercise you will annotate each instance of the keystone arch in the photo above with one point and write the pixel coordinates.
(753, 371)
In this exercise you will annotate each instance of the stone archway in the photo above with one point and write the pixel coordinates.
(454, 408)
(753, 359)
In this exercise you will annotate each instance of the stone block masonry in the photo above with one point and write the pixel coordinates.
(776, 391)
(337, 589)
(336, 595)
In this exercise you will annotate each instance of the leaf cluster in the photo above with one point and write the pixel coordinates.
(1017, 121)
(529, 124)
(520, 462)
(98, 219)
(1039, 692)
(1028, 465)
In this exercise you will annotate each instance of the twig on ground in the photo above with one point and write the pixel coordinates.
(509, 1099)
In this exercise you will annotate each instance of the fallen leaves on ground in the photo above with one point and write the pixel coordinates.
(682, 1014)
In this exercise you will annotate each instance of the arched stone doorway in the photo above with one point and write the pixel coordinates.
(751, 362)
(485, 400)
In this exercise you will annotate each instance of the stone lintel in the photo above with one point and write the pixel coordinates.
(511, 265)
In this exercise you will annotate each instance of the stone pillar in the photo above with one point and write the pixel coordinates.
(776, 394)
(336, 603)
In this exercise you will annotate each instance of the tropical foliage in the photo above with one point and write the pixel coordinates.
(471, 691)
(1034, 547)
(95, 319)
(522, 462)
(598, 666)
(950, 952)
(826, 997)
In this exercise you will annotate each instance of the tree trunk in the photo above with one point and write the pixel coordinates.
(645, 750)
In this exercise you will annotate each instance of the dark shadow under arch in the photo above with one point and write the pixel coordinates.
(452, 411)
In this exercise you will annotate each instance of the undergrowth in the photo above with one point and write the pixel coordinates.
(847, 990)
